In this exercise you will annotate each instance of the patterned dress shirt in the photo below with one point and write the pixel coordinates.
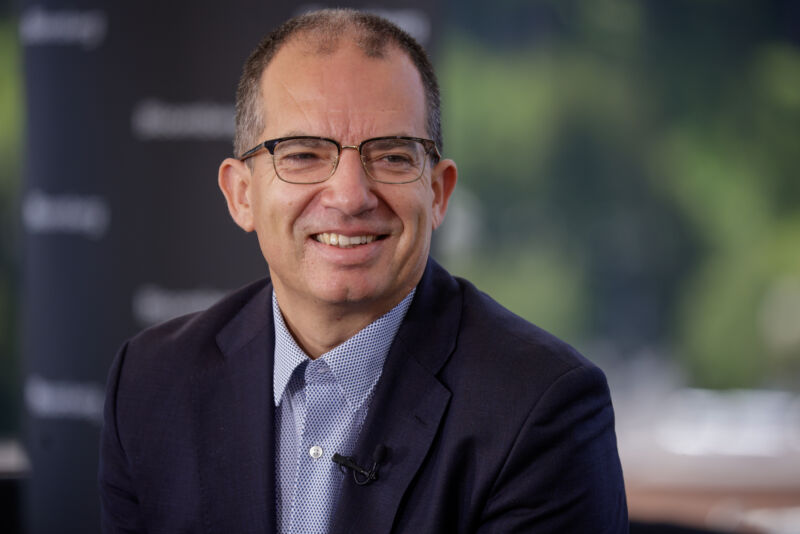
(320, 406)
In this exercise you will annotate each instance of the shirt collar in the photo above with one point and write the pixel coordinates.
(356, 364)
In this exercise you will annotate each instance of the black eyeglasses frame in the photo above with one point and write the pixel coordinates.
(428, 144)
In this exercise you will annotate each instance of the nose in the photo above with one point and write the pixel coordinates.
(350, 190)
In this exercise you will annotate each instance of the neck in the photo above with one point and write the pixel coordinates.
(318, 328)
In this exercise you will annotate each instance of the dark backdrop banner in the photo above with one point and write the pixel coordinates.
(129, 113)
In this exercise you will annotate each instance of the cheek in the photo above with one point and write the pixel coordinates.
(416, 215)
(279, 210)
(423, 203)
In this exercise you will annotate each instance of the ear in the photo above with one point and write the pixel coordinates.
(443, 181)
(235, 182)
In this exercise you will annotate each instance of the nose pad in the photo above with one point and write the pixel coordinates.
(354, 149)
(350, 190)
(354, 160)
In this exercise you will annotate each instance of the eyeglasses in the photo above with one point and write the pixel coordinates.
(311, 160)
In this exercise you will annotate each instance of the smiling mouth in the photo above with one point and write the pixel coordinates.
(345, 241)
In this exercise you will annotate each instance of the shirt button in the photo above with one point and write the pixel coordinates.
(315, 451)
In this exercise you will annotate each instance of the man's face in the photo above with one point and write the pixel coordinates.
(348, 97)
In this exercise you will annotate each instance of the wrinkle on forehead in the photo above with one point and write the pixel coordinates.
(290, 93)
(343, 132)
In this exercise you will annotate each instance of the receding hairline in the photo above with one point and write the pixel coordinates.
(312, 42)
(319, 41)
(388, 51)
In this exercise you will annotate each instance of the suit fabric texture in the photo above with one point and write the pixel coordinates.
(490, 425)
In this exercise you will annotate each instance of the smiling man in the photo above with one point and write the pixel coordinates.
(360, 387)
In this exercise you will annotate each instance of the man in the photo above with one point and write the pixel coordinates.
(360, 388)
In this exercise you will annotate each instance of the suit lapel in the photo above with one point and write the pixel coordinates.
(234, 424)
(407, 408)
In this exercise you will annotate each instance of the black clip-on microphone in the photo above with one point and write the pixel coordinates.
(349, 463)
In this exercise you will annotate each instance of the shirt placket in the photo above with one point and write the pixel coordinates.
(318, 479)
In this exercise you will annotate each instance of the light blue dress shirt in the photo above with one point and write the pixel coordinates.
(320, 406)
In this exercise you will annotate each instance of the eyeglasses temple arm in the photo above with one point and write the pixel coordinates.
(252, 151)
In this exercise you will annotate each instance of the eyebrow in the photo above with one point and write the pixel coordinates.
(299, 133)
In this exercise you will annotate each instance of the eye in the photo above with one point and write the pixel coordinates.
(296, 161)
(393, 151)
(396, 158)
(303, 153)
(300, 156)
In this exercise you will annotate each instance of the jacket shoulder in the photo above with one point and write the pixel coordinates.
(198, 327)
(179, 346)
(507, 364)
(511, 336)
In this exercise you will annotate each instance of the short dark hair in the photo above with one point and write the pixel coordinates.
(371, 33)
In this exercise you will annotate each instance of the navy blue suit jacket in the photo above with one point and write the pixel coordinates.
(490, 424)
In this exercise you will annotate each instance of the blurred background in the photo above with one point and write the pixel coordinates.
(628, 181)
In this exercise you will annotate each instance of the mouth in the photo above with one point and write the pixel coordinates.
(345, 241)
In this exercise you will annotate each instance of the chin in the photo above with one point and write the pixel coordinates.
(346, 294)
(347, 290)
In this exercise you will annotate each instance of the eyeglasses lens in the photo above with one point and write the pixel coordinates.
(394, 161)
(305, 161)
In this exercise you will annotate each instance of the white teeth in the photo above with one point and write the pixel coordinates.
(344, 241)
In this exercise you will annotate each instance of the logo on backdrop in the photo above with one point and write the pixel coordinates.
(59, 399)
(89, 216)
(38, 26)
(153, 304)
(206, 121)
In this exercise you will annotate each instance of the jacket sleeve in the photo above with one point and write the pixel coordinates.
(563, 472)
(118, 499)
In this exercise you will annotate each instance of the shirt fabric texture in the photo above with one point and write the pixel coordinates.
(320, 406)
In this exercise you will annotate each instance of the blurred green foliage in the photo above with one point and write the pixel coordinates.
(635, 165)
(10, 161)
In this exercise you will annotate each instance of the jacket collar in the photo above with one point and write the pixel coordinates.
(407, 408)
(233, 416)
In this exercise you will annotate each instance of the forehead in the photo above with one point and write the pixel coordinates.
(342, 92)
